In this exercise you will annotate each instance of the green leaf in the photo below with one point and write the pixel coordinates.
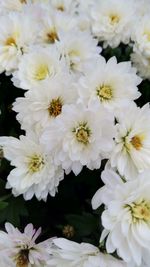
(13, 211)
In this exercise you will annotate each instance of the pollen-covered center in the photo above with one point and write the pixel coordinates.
(52, 36)
(10, 41)
(41, 72)
(136, 142)
(104, 92)
(55, 107)
(82, 133)
(114, 18)
(140, 211)
(22, 259)
(23, 1)
(35, 163)
(61, 8)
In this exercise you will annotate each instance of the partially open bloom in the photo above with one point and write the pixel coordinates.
(126, 217)
(19, 249)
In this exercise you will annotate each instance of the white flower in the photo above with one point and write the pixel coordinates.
(67, 253)
(80, 137)
(108, 83)
(77, 47)
(41, 106)
(19, 249)
(112, 21)
(16, 34)
(126, 218)
(38, 66)
(142, 64)
(141, 36)
(53, 24)
(34, 172)
(131, 153)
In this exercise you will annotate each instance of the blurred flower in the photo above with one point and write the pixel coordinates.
(20, 250)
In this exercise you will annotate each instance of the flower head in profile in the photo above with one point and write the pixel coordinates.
(131, 153)
(66, 253)
(20, 249)
(126, 218)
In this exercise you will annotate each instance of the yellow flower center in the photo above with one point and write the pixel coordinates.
(147, 33)
(36, 163)
(10, 41)
(41, 72)
(140, 211)
(136, 142)
(61, 8)
(82, 133)
(104, 92)
(52, 36)
(23, 1)
(114, 18)
(22, 259)
(55, 107)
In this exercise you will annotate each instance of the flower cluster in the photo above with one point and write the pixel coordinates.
(78, 109)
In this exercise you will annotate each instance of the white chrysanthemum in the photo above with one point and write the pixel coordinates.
(35, 172)
(141, 36)
(16, 34)
(77, 47)
(142, 64)
(126, 218)
(79, 140)
(131, 153)
(19, 249)
(41, 106)
(112, 21)
(53, 25)
(108, 83)
(66, 253)
(38, 67)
